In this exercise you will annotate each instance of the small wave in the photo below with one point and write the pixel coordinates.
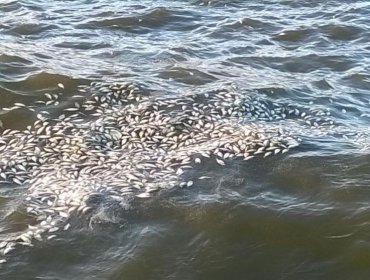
(4, 58)
(255, 23)
(358, 80)
(293, 36)
(247, 22)
(299, 64)
(187, 76)
(31, 28)
(142, 23)
(9, 6)
(14, 67)
(40, 82)
(83, 45)
(341, 32)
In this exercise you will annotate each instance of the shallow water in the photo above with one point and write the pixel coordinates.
(301, 215)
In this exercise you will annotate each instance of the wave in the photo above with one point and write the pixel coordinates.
(31, 29)
(147, 21)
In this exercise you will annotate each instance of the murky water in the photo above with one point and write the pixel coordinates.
(301, 215)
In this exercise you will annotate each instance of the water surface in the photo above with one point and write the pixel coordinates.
(301, 215)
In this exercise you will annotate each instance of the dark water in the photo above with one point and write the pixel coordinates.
(301, 215)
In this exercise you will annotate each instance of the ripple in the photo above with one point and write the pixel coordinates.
(358, 80)
(14, 59)
(298, 64)
(323, 84)
(299, 35)
(81, 45)
(31, 28)
(9, 6)
(14, 67)
(144, 22)
(249, 23)
(39, 83)
(187, 76)
(342, 32)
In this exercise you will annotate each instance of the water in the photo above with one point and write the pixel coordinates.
(301, 215)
